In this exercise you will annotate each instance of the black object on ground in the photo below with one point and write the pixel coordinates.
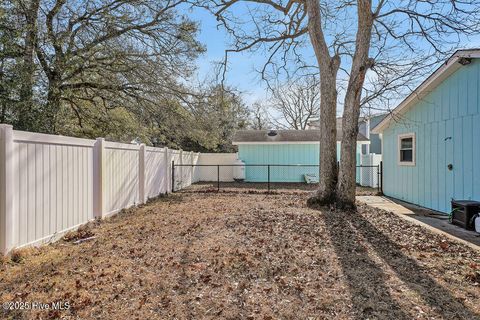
(463, 211)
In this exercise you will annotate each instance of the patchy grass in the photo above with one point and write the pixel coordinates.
(252, 256)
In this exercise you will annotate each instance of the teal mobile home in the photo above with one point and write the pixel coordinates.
(431, 141)
(283, 147)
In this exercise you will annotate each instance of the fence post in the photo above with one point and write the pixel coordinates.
(167, 170)
(218, 178)
(181, 169)
(6, 188)
(173, 176)
(381, 177)
(191, 168)
(360, 173)
(141, 174)
(268, 183)
(99, 178)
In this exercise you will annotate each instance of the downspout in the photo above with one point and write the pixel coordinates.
(367, 131)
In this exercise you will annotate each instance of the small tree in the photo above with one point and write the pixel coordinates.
(214, 117)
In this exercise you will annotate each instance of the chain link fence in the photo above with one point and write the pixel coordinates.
(267, 177)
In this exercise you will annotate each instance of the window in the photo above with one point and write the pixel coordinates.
(406, 149)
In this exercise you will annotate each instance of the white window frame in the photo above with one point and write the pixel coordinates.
(399, 145)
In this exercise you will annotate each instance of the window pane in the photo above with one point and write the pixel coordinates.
(406, 155)
(406, 143)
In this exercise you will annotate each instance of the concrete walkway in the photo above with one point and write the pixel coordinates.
(429, 219)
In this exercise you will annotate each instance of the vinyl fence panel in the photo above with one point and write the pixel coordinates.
(210, 173)
(155, 173)
(187, 172)
(52, 184)
(196, 170)
(121, 176)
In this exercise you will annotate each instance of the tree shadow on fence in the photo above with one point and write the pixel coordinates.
(351, 236)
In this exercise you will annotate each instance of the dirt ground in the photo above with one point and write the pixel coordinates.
(247, 255)
(262, 187)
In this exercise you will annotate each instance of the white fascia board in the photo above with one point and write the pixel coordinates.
(275, 142)
(287, 142)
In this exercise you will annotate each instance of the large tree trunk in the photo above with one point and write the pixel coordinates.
(326, 193)
(26, 116)
(347, 174)
(360, 64)
(328, 65)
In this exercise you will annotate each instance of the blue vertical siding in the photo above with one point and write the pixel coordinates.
(446, 124)
(282, 154)
(279, 154)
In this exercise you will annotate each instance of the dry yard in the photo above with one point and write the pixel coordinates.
(247, 255)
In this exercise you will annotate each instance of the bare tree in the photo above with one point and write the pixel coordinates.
(296, 103)
(259, 118)
(363, 50)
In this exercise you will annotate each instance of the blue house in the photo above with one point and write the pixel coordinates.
(431, 141)
(283, 147)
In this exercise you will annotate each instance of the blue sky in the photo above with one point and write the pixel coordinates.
(242, 72)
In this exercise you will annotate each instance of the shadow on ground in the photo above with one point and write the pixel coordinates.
(368, 258)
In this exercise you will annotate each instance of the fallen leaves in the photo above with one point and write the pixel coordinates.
(249, 255)
(81, 234)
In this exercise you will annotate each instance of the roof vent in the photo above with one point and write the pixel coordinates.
(272, 133)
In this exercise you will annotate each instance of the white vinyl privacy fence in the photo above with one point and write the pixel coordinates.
(51, 184)
(368, 173)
